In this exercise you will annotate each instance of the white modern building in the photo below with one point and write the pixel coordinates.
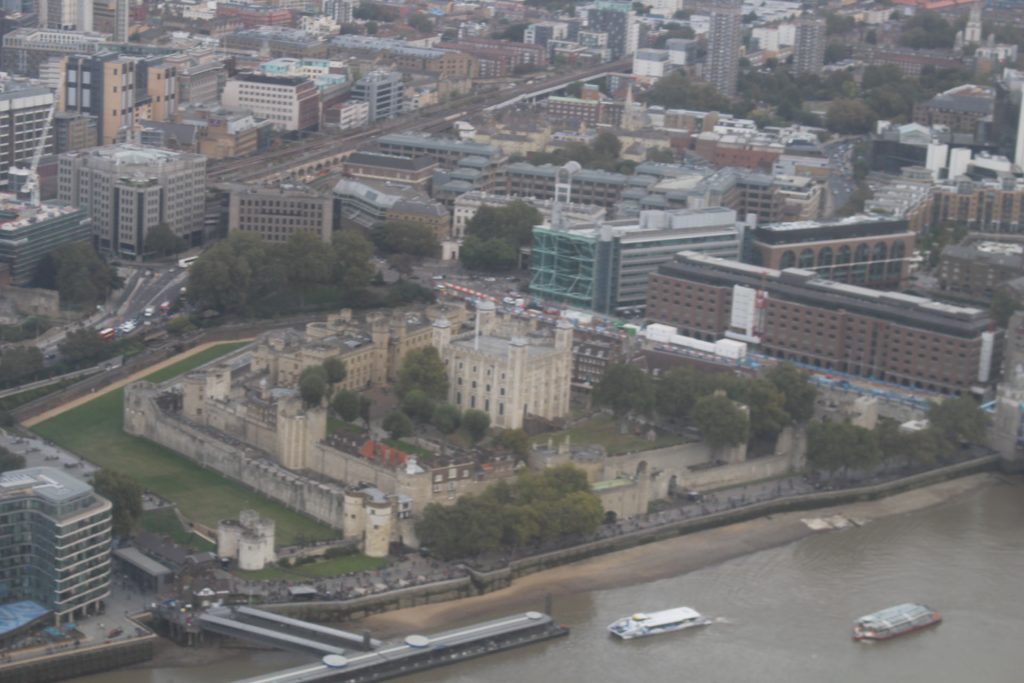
(65, 15)
(288, 102)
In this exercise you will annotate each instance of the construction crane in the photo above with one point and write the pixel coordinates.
(30, 187)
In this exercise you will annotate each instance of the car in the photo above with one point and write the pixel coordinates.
(490, 279)
(148, 311)
(437, 277)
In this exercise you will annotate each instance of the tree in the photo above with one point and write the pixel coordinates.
(446, 418)
(513, 222)
(836, 52)
(795, 386)
(514, 440)
(347, 405)
(722, 423)
(335, 370)
(78, 274)
(677, 91)
(849, 116)
(313, 385)
(958, 421)
(513, 32)
(677, 391)
(83, 345)
(927, 30)
(476, 424)
(488, 255)
(10, 461)
(398, 425)
(418, 405)
(1004, 304)
(834, 446)
(421, 22)
(768, 414)
(661, 155)
(353, 254)
(162, 241)
(125, 495)
(402, 237)
(626, 389)
(606, 145)
(423, 369)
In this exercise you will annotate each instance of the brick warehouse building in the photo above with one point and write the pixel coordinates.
(795, 315)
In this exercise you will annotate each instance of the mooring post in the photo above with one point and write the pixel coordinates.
(548, 600)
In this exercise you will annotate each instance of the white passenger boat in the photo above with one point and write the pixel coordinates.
(653, 623)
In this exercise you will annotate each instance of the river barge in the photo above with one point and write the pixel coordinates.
(418, 653)
(895, 621)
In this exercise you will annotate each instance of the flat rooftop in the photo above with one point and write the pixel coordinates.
(45, 482)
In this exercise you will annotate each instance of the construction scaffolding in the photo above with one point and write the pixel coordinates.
(563, 266)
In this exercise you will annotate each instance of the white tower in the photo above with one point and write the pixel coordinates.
(563, 192)
(972, 32)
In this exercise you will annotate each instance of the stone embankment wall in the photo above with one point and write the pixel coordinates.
(80, 662)
(143, 417)
(486, 582)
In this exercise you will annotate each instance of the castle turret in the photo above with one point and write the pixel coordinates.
(442, 334)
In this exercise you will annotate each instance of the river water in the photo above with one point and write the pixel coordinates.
(781, 615)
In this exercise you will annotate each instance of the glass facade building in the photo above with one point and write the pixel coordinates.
(55, 534)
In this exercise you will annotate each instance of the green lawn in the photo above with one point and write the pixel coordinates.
(604, 430)
(422, 454)
(318, 570)
(334, 424)
(165, 523)
(94, 430)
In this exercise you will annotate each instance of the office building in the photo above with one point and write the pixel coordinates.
(809, 54)
(865, 250)
(795, 315)
(122, 21)
(722, 68)
(446, 152)
(24, 113)
(507, 376)
(28, 233)
(618, 22)
(994, 205)
(65, 15)
(225, 133)
(55, 545)
(340, 10)
(966, 108)
(383, 91)
(288, 102)
(365, 203)
(277, 41)
(369, 165)
(127, 190)
(604, 266)
(73, 131)
(978, 266)
(275, 213)
(119, 91)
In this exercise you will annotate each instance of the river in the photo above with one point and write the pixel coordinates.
(782, 614)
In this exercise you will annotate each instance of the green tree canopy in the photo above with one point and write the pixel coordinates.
(446, 418)
(626, 389)
(161, 241)
(78, 274)
(335, 370)
(722, 423)
(927, 30)
(125, 495)
(796, 388)
(512, 222)
(82, 346)
(490, 255)
(398, 425)
(347, 405)
(535, 507)
(421, 22)
(834, 446)
(677, 91)
(958, 420)
(10, 461)
(476, 423)
(313, 385)
(850, 116)
(402, 237)
(513, 440)
(423, 369)
(418, 406)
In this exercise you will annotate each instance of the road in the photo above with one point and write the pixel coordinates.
(841, 184)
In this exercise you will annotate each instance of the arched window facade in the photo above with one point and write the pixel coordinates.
(788, 260)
